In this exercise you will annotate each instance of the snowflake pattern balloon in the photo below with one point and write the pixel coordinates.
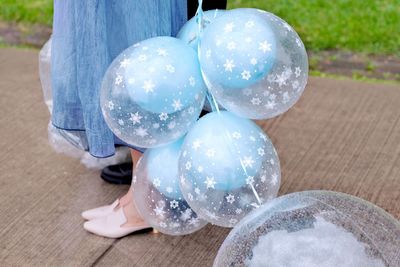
(254, 63)
(157, 193)
(153, 92)
(228, 167)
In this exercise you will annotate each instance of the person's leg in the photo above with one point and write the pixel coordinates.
(131, 213)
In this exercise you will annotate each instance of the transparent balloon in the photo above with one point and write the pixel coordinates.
(228, 167)
(153, 92)
(157, 193)
(314, 228)
(254, 63)
(189, 33)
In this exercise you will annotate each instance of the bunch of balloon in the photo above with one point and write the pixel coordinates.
(221, 167)
(255, 66)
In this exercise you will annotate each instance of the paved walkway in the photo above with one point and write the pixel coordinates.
(342, 136)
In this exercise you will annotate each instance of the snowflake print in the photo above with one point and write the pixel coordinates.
(274, 179)
(159, 211)
(246, 75)
(182, 178)
(157, 182)
(194, 221)
(248, 162)
(210, 182)
(177, 105)
(185, 215)
(118, 80)
(170, 68)
(281, 79)
(229, 27)
(148, 86)
(192, 81)
(169, 189)
(200, 169)
(261, 151)
(256, 101)
(135, 118)
(295, 85)
(188, 165)
(210, 153)
(197, 191)
(121, 122)
(297, 72)
(125, 63)
(163, 116)
(172, 125)
(263, 137)
(263, 178)
(253, 61)
(229, 65)
(236, 135)
(196, 144)
(298, 42)
(272, 161)
(250, 180)
(162, 52)
(173, 204)
(142, 132)
(287, 27)
(230, 198)
(265, 47)
(110, 105)
(250, 24)
(270, 105)
(238, 211)
(231, 46)
(286, 98)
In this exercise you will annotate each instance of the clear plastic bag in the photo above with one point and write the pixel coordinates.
(71, 143)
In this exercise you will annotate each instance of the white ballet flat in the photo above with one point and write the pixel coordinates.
(100, 211)
(111, 225)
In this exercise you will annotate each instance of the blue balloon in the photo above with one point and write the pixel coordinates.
(153, 92)
(158, 195)
(228, 166)
(237, 49)
(162, 168)
(189, 32)
(253, 63)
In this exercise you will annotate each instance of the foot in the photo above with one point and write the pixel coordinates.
(123, 220)
(100, 211)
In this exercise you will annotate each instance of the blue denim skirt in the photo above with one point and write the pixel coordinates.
(87, 36)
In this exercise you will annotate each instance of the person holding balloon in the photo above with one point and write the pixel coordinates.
(87, 36)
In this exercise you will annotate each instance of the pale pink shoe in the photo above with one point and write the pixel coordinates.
(111, 225)
(100, 211)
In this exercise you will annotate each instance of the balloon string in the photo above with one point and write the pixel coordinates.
(201, 23)
(211, 99)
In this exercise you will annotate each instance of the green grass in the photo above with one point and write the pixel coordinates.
(368, 26)
(27, 11)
